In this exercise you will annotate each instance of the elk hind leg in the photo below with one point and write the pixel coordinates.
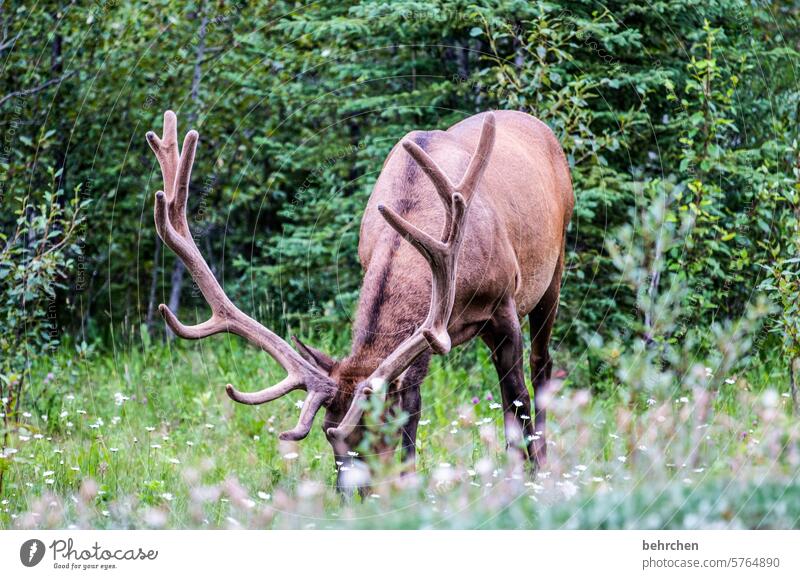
(542, 318)
(503, 335)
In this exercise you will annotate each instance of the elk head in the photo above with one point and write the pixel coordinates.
(308, 369)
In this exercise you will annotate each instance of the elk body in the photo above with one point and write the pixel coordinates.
(463, 235)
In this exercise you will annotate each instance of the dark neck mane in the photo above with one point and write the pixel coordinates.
(391, 306)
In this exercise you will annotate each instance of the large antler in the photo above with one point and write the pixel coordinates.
(442, 256)
(173, 229)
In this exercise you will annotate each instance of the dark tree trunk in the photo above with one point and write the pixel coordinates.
(151, 300)
(176, 285)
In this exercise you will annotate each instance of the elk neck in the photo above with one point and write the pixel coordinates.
(393, 302)
(396, 290)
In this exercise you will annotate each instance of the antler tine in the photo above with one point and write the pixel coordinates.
(444, 187)
(177, 208)
(282, 388)
(173, 228)
(442, 256)
(313, 402)
(479, 160)
(166, 151)
(203, 330)
(430, 248)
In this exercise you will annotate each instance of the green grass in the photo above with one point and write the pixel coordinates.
(147, 438)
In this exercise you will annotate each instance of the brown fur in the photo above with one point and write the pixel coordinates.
(513, 249)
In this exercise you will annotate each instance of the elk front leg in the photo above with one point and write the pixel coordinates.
(503, 335)
(412, 406)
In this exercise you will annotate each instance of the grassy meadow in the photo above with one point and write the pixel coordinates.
(145, 437)
(678, 336)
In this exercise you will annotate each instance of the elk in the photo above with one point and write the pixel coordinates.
(462, 236)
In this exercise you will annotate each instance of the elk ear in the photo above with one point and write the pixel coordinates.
(313, 356)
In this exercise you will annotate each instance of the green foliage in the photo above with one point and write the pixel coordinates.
(679, 123)
(298, 108)
(630, 113)
(783, 285)
(36, 259)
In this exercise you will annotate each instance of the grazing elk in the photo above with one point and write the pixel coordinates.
(490, 200)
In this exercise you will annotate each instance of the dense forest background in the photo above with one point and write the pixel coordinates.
(680, 126)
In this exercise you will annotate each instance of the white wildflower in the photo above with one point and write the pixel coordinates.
(569, 489)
